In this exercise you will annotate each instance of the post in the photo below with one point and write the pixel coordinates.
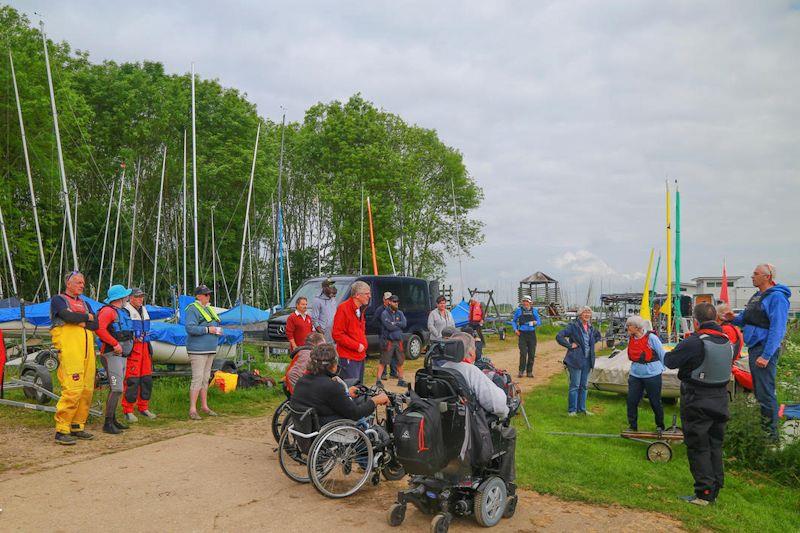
(158, 223)
(30, 180)
(64, 191)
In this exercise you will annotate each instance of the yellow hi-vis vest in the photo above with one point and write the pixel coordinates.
(208, 314)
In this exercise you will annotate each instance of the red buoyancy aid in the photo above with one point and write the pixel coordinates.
(736, 338)
(475, 312)
(76, 305)
(640, 351)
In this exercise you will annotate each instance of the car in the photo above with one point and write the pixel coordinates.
(417, 299)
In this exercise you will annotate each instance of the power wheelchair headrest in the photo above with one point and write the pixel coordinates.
(447, 350)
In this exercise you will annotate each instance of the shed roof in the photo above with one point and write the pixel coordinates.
(539, 277)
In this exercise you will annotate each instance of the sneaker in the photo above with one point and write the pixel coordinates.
(81, 434)
(130, 417)
(110, 428)
(530, 374)
(402, 383)
(694, 500)
(520, 375)
(631, 430)
(194, 416)
(572, 413)
(210, 412)
(587, 413)
(65, 439)
(149, 414)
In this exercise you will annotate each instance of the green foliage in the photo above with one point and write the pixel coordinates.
(111, 113)
(746, 442)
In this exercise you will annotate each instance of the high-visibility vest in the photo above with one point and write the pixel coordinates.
(208, 314)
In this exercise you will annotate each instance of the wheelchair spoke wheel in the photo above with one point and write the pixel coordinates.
(340, 461)
(292, 459)
(278, 418)
(490, 501)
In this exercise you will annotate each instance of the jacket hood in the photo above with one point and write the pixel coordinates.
(779, 289)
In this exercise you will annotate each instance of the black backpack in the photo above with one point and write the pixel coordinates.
(418, 441)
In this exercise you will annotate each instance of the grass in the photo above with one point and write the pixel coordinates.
(616, 471)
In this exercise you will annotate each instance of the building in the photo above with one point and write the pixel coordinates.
(740, 289)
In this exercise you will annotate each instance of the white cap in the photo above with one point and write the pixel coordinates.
(387, 295)
(526, 299)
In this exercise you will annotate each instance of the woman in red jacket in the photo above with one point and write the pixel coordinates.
(350, 334)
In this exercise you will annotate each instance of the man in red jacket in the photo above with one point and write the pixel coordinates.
(298, 324)
(350, 334)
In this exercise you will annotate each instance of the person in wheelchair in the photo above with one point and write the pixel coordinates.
(324, 391)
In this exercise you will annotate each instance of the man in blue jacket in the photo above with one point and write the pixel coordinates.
(764, 323)
(393, 323)
(525, 321)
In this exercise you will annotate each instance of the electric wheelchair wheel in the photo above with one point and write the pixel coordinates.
(490, 502)
(293, 461)
(340, 460)
(397, 513)
(440, 523)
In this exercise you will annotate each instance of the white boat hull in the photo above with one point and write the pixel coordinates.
(169, 354)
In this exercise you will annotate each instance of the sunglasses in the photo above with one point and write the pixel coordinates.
(73, 274)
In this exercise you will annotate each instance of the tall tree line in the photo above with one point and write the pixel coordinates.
(129, 113)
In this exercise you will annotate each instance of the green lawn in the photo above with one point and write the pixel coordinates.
(617, 471)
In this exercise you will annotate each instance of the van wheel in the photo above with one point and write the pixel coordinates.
(413, 347)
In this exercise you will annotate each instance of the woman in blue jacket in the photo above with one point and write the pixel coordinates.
(579, 338)
(647, 355)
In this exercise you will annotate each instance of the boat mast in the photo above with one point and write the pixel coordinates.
(133, 222)
(361, 245)
(8, 256)
(158, 223)
(246, 225)
(213, 256)
(194, 188)
(60, 153)
(458, 240)
(280, 217)
(183, 205)
(30, 180)
(105, 239)
(116, 228)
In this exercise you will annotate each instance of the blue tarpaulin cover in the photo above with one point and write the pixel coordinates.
(243, 314)
(461, 314)
(39, 314)
(158, 312)
(176, 334)
(792, 412)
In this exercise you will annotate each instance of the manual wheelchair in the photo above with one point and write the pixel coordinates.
(338, 458)
(462, 487)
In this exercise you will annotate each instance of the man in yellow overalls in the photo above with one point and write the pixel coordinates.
(71, 325)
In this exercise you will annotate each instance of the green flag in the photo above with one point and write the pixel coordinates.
(677, 306)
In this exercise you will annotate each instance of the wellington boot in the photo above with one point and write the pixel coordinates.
(118, 424)
(109, 427)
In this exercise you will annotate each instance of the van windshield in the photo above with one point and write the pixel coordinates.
(313, 288)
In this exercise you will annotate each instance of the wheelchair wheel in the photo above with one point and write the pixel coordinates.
(340, 461)
(397, 513)
(292, 459)
(440, 523)
(278, 417)
(490, 502)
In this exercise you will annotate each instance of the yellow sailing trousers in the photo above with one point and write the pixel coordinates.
(76, 369)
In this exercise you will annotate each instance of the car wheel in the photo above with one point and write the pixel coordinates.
(413, 347)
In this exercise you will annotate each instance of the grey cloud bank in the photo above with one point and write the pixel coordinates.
(570, 115)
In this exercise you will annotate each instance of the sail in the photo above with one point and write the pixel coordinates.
(645, 307)
(666, 309)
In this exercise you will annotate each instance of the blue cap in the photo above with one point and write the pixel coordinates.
(115, 292)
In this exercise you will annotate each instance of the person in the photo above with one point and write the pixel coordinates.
(764, 322)
(378, 324)
(734, 334)
(475, 317)
(440, 318)
(349, 332)
(525, 321)
(704, 362)
(71, 328)
(302, 357)
(321, 389)
(115, 330)
(323, 308)
(298, 324)
(203, 331)
(139, 370)
(647, 364)
(579, 338)
(478, 342)
(393, 322)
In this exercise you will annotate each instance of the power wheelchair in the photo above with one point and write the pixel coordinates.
(464, 486)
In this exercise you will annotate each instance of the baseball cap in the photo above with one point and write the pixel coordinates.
(202, 289)
(527, 299)
(387, 295)
(136, 291)
(328, 283)
(394, 298)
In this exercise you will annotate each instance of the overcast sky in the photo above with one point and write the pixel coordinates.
(570, 115)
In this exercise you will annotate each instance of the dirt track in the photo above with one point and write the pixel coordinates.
(223, 475)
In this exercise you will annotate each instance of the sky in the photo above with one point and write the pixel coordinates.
(571, 116)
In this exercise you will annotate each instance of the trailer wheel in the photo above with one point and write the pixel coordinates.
(38, 375)
(659, 452)
(48, 359)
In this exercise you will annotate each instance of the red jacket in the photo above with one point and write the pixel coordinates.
(349, 330)
(298, 328)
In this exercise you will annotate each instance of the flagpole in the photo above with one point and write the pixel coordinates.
(668, 302)
(677, 313)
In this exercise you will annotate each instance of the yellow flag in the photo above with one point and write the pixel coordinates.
(666, 308)
(645, 312)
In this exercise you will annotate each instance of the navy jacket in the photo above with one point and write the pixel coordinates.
(573, 333)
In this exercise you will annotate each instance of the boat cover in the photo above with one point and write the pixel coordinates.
(461, 314)
(243, 314)
(611, 374)
(175, 334)
(39, 314)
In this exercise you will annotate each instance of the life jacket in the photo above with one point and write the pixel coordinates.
(640, 351)
(526, 316)
(717, 360)
(208, 314)
(475, 312)
(121, 329)
(736, 338)
(76, 305)
(754, 314)
(140, 322)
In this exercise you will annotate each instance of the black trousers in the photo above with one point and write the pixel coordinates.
(477, 328)
(636, 389)
(527, 351)
(704, 415)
